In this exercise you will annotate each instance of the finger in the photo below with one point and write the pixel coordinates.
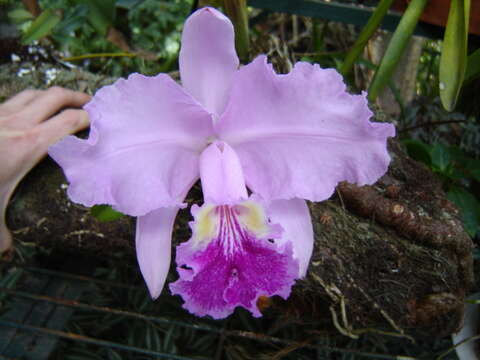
(17, 102)
(67, 122)
(52, 101)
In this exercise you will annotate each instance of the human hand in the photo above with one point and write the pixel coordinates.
(29, 123)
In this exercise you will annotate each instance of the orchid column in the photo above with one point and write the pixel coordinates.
(286, 138)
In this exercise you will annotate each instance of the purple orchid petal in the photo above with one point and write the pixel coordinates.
(153, 244)
(208, 59)
(287, 137)
(296, 222)
(298, 135)
(231, 260)
(144, 145)
(221, 175)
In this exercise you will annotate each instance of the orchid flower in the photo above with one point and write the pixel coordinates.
(261, 144)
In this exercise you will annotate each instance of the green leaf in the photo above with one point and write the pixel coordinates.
(473, 67)
(128, 4)
(367, 32)
(41, 27)
(237, 11)
(453, 60)
(457, 155)
(419, 151)
(468, 167)
(473, 166)
(20, 15)
(395, 48)
(457, 174)
(469, 207)
(307, 59)
(73, 19)
(105, 213)
(440, 157)
(101, 14)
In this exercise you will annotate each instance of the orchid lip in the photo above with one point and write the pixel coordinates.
(232, 259)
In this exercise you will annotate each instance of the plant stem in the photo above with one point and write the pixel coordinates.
(395, 49)
(237, 12)
(365, 35)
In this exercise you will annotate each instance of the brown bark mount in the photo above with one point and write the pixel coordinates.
(392, 256)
